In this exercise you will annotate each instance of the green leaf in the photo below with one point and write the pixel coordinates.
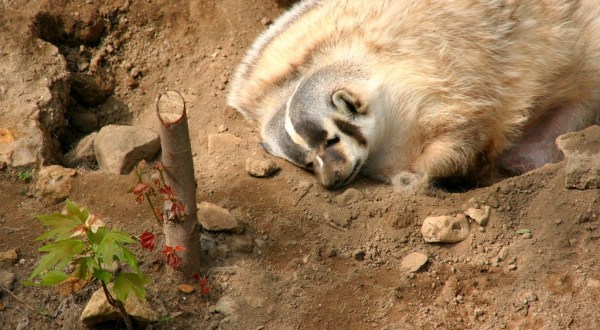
(63, 226)
(130, 283)
(59, 255)
(84, 267)
(76, 212)
(103, 275)
(119, 237)
(53, 277)
(523, 231)
(111, 248)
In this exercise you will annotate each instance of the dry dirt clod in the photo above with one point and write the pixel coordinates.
(445, 229)
(582, 152)
(8, 257)
(348, 197)
(413, 262)
(7, 279)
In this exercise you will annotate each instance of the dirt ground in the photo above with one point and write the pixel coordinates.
(304, 270)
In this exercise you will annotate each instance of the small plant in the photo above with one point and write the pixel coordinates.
(25, 176)
(82, 240)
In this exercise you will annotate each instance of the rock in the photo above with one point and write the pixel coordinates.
(408, 183)
(8, 257)
(582, 153)
(224, 144)
(503, 253)
(82, 154)
(479, 215)
(185, 288)
(413, 262)
(215, 218)
(340, 216)
(53, 183)
(445, 229)
(119, 148)
(98, 310)
(225, 306)
(261, 167)
(478, 312)
(242, 243)
(207, 243)
(7, 279)
(527, 235)
(350, 196)
(92, 89)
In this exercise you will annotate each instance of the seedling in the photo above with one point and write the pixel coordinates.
(81, 239)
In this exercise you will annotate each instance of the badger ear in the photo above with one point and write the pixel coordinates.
(346, 102)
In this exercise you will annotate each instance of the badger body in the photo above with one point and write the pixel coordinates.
(411, 91)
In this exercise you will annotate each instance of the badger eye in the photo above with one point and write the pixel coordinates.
(331, 142)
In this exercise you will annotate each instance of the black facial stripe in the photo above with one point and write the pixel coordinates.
(351, 130)
(312, 133)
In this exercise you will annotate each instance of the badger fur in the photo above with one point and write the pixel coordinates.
(412, 91)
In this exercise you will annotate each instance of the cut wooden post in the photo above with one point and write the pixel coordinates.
(179, 174)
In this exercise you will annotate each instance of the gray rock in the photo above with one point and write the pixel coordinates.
(445, 229)
(119, 148)
(413, 262)
(479, 215)
(582, 153)
(53, 183)
(82, 154)
(98, 310)
(261, 167)
(7, 279)
(348, 197)
(207, 243)
(215, 218)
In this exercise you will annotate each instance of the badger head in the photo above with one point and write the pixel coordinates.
(325, 126)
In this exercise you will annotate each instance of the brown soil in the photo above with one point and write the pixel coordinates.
(304, 271)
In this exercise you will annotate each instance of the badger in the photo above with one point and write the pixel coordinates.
(414, 92)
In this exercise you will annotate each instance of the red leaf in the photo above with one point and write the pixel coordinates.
(196, 277)
(204, 289)
(148, 240)
(159, 166)
(159, 214)
(168, 250)
(179, 248)
(174, 260)
(140, 190)
(167, 191)
(178, 209)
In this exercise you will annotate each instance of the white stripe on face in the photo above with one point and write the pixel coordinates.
(289, 127)
(320, 161)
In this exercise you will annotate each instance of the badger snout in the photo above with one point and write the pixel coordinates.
(333, 169)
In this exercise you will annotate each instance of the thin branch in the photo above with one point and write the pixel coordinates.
(24, 303)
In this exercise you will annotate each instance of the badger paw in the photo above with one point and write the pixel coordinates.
(410, 183)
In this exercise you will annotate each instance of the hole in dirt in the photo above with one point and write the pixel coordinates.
(90, 42)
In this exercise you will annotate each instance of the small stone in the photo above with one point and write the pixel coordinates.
(479, 215)
(527, 235)
(558, 221)
(207, 243)
(8, 257)
(98, 310)
(54, 183)
(7, 279)
(503, 253)
(413, 262)
(478, 312)
(445, 229)
(582, 153)
(265, 21)
(118, 148)
(82, 154)
(511, 267)
(185, 288)
(222, 128)
(261, 167)
(215, 218)
(493, 201)
(348, 197)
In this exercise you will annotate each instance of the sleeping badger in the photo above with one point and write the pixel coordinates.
(413, 92)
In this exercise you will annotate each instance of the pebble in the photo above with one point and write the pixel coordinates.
(413, 262)
(479, 215)
(7, 279)
(445, 229)
(215, 218)
(261, 167)
(8, 257)
(503, 253)
(98, 310)
(478, 312)
(511, 267)
(526, 236)
(348, 197)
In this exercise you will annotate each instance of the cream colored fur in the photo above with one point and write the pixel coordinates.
(455, 85)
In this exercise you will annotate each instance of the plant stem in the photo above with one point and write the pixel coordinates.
(153, 209)
(119, 304)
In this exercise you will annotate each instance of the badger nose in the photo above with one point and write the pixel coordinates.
(330, 181)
